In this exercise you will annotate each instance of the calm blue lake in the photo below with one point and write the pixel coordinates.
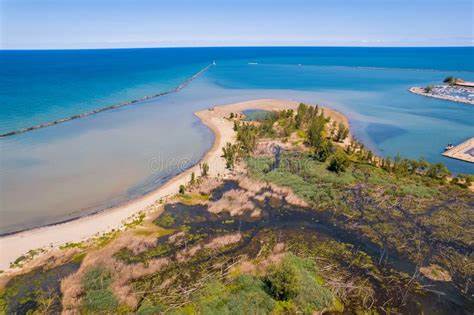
(89, 164)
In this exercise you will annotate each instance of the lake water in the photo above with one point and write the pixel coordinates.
(85, 165)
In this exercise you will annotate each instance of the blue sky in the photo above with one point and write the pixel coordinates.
(154, 23)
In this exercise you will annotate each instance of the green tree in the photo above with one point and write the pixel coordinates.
(247, 137)
(282, 281)
(428, 89)
(450, 80)
(316, 133)
(236, 125)
(229, 153)
(342, 132)
(204, 169)
(182, 189)
(438, 171)
(193, 178)
(339, 162)
(323, 151)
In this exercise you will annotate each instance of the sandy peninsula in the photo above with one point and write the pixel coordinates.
(51, 237)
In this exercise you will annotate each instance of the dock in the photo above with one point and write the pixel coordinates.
(463, 151)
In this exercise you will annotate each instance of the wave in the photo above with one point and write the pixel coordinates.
(103, 109)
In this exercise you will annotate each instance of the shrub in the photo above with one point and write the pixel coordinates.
(204, 169)
(282, 281)
(322, 152)
(165, 220)
(295, 282)
(339, 162)
(450, 80)
(182, 189)
(229, 153)
(342, 132)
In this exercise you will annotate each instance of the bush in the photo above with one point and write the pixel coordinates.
(450, 80)
(182, 189)
(244, 295)
(165, 220)
(282, 281)
(339, 162)
(322, 152)
(295, 283)
(229, 153)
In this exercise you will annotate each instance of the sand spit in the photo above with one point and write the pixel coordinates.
(51, 237)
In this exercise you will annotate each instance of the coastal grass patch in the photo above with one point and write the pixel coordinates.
(381, 206)
(106, 238)
(98, 298)
(165, 220)
(137, 220)
(23, 259)
(129, 257)
(36, 292)
(70, 245)
(191, 199)
(293, 285)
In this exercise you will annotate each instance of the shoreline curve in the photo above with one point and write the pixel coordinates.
(86, 227)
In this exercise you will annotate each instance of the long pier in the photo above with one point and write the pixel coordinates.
(463, 151)
(103, 109)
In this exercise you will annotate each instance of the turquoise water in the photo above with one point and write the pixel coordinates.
(82, 166)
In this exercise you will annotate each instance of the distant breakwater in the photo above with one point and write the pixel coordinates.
(422, 91)
(103, 109)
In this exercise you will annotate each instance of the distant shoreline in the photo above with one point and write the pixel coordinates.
(103, 109)
(421, 91)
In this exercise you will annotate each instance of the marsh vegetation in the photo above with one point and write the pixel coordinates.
(310, 222)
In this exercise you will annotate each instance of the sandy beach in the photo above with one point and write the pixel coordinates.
(50, 237)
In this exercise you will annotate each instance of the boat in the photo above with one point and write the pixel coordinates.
(448, 147)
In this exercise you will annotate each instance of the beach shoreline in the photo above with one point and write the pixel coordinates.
(84, 228)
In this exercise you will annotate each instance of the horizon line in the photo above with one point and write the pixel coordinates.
(238, 46)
